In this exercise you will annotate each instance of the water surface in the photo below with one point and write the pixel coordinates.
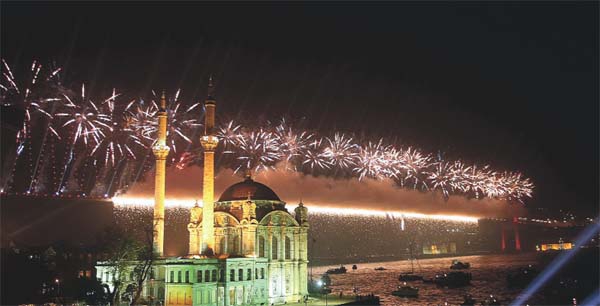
(489, 277)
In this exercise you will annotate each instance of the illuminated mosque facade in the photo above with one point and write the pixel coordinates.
(244, 249)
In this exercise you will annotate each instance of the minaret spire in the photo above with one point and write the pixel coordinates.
(161, 151)
(163, 102)
(211, 88)
(209, 143)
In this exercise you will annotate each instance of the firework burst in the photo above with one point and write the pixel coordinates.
(315, 158)
(181, 119)
(415, 165)
(293, 145)
(369, 162)
(341, 152)
(117, 135)
(258, 151)
(85, 118)
(32, 91)
(229, 135)
(140, 118)
(111, 133)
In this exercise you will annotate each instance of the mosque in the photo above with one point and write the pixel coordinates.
(244, 249)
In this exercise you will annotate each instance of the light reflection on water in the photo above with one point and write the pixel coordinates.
(488, 271)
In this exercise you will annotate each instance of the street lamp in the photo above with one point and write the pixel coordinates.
(57, 281)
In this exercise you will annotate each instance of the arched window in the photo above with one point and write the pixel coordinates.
(240, 274)
(288, 248)
(261, 246)
(199, 276)
(206, 276)
(274, 248)
(213, 275)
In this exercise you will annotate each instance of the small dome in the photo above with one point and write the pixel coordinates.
(248, 187)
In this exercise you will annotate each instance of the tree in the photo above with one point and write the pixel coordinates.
(129, 253)
(146, 257)
(121, 249)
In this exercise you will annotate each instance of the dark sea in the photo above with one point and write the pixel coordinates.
(489, 278)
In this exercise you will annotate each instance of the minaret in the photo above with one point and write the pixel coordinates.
(161, 150)
(209, 142)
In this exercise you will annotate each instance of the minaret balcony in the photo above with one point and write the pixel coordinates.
(160, 151)
(209, 142)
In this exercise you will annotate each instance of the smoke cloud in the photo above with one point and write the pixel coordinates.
(292, 187)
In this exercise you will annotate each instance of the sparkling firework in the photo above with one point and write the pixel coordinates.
(262, 148)
(315, 157)
(293, 144)
(117, 136)
(369, 162)
(32, 91)
(341, 152)
(181, 122)
(85, 118)
(415, 164)
(113, 133)
(257, 151)
(229, 135)
(140, 118)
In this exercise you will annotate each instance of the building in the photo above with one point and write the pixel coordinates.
(244, 249)
(440, 248)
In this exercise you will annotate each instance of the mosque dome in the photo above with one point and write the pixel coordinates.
(248, 187)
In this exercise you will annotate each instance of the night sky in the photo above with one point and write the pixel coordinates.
(514, 85)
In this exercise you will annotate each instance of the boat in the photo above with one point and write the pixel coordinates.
(409, 277)
(406, 291)
(459, 265)
(468, 301)
(380, 269)
(326, 280)
(453, 279)
(522, 277)
(340, 270)
(491, 300)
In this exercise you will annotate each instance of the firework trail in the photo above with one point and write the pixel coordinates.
(87, 123)
(182, 121)
(229, 134)
(140, 119)
(257, 151)
(33, 91)
(292, 144)
(341, 151)
(315, 157)
(115, 135)
(262, 147)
